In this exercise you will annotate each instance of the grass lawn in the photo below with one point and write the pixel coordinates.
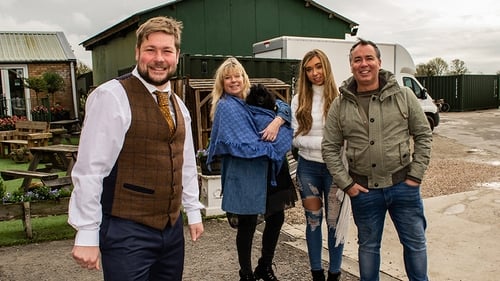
(44, 228)
(8, 164)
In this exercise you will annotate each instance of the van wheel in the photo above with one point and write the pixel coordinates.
(431, 122)
(445, 107)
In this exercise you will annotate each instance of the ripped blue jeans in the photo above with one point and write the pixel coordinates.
(314, 180)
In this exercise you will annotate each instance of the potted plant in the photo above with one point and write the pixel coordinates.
(201, 158)
(9, 123)
(58, 112)
(54, 82)
(40, 113)
(21, 155)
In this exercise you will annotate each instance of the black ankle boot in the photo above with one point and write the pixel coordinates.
(318, 275)
(246, 276)
(333, 276)
(264, 272)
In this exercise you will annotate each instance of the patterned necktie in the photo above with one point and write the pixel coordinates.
(165, 109)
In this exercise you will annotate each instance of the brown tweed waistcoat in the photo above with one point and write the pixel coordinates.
(145, 185)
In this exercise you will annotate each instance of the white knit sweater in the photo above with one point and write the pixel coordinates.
(310, 149)
(310, 144)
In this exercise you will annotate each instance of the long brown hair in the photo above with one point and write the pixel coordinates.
(305, 91)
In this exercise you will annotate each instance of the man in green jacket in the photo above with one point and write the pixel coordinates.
(387, 143)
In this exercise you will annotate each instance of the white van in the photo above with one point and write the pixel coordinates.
(395, 58)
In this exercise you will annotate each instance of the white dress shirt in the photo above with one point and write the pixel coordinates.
(107, 120)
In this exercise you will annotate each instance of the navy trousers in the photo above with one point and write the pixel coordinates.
(134, 252)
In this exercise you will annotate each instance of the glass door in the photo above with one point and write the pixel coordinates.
(14, 94)
(3, 104)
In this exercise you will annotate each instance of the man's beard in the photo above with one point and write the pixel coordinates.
(145, 75)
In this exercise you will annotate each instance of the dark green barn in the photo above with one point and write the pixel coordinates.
(217, 27)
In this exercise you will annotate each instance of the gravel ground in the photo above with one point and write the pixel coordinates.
(453, 168)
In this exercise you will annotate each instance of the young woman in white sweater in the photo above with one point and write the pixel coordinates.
(315, 91)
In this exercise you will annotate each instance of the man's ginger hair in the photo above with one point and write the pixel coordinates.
(166, 25)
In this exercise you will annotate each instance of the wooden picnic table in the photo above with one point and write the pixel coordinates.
(63, 129)
(62, 156)
(27, 134)
(67, 124)
(59, 157)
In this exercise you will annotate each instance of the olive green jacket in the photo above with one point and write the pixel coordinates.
(379, 146)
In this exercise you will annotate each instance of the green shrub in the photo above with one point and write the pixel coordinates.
(3, 188)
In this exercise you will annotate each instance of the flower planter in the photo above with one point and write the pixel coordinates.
(27, 210)
(21, 155)
(60, 115)
(210, 195)
(40, 116)
(215, 166)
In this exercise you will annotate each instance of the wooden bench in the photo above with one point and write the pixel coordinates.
(27, 176)
(72, 128)
(58, 134)
(57, 183)
(27, 134)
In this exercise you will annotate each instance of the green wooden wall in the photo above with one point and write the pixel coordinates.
(108, 59)
(222, 27)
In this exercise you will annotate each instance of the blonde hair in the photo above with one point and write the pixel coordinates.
(166, 25)
(305, 91)
(230, 66)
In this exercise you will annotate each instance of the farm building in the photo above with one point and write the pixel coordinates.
(31, 54)
(213, 30)
(216, 27)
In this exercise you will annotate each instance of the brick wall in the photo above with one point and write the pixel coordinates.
(64, 97)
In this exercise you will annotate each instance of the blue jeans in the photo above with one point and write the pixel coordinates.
(404, 204)
(314, 180)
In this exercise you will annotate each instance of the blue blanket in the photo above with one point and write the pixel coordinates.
(236, 131)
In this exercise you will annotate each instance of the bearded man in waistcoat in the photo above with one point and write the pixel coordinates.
(136, 167)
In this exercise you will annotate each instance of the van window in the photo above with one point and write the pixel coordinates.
(410, 83)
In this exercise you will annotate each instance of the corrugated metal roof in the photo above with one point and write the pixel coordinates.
(20, 46)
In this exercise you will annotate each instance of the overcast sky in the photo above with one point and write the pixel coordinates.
(469, 31)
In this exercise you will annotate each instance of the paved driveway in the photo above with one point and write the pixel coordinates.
(479, 129)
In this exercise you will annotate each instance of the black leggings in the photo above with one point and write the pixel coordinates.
(244, 238)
